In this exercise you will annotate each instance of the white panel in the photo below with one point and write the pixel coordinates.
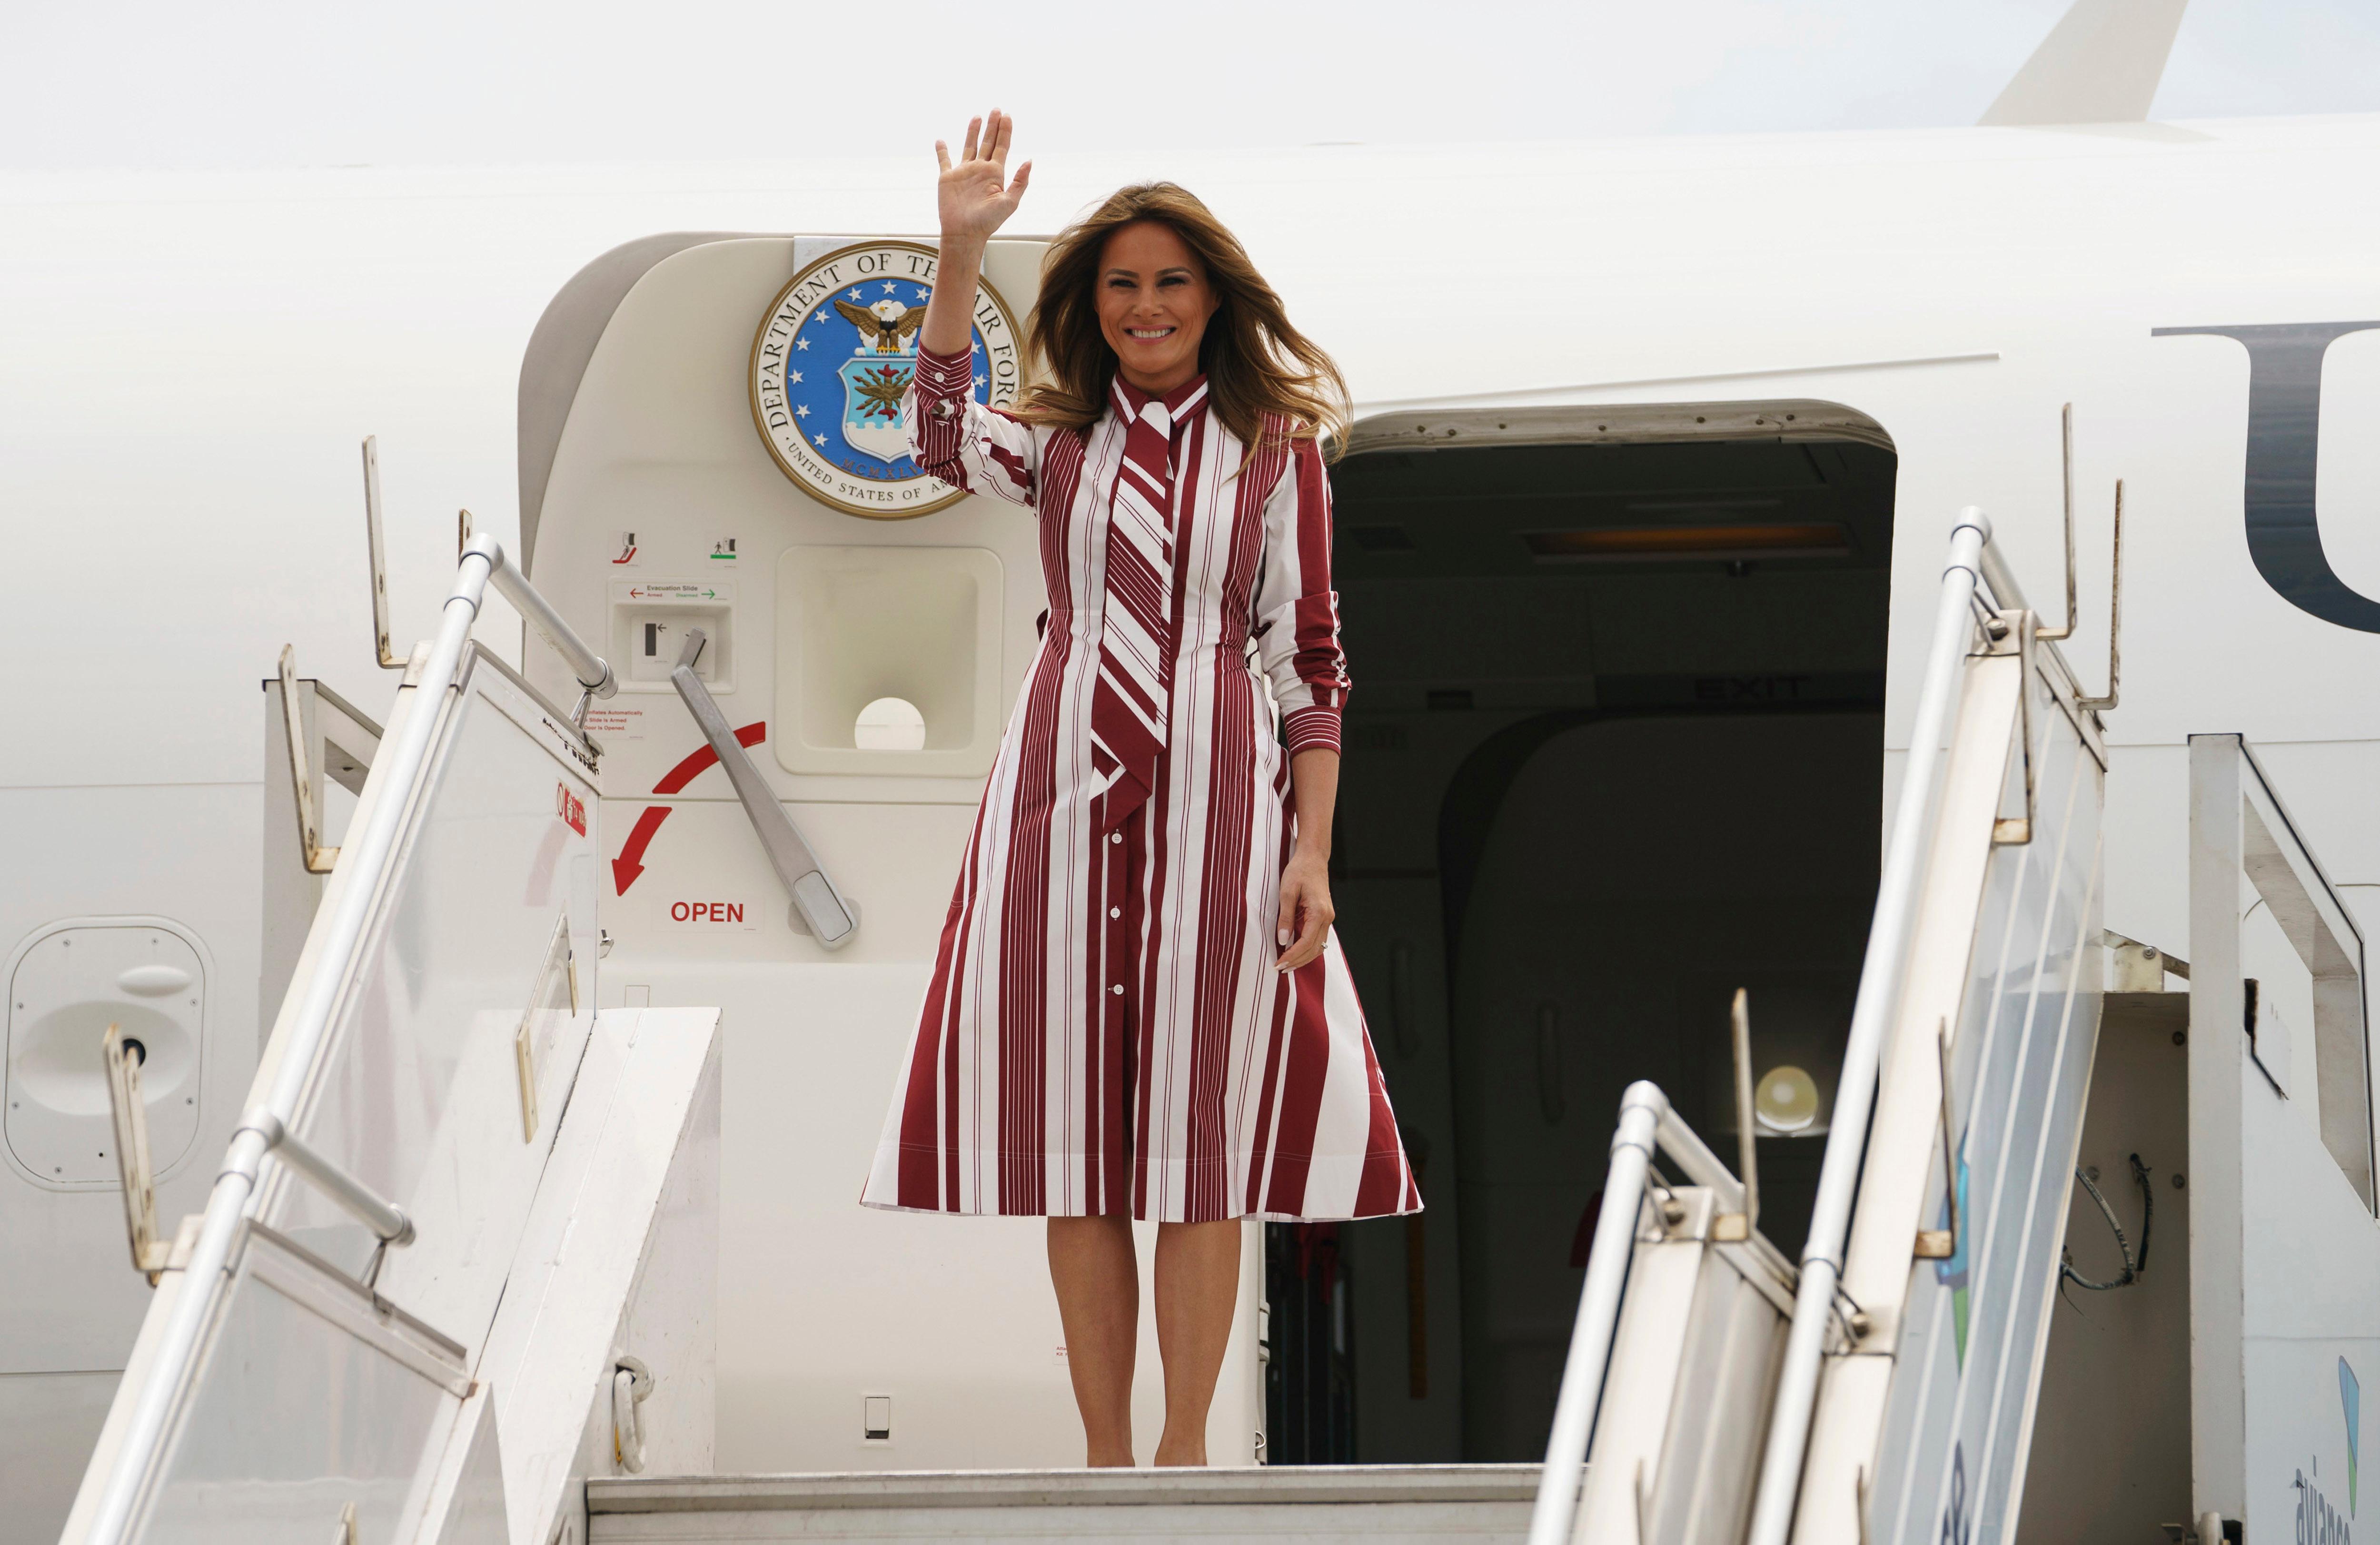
(2310, 1283)
(671, 1322)
(823, 1302)
(421, 1093)
(1968, 1363)
(618, 1255)
(2275, 1217)
(1709, 1458)
(48, 1423)
(464, 1501)
(1648, 1356)
(1685, 1403)
(312, 1400)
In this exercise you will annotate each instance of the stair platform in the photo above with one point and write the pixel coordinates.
(1350, 1504)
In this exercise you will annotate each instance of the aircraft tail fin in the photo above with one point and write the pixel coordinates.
(2100, 64)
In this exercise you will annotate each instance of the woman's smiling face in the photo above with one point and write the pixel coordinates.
(1154, 302)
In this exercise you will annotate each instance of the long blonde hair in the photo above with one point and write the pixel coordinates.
(1265, 381)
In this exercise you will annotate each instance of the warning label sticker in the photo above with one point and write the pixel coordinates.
(676, 589)
(608, 724)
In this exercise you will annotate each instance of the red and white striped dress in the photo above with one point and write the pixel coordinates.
(1105, 1031)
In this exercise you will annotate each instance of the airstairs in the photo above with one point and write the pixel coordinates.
(1911, 1377)
(1716, 1393)
(455, 1280)
(460, 1254)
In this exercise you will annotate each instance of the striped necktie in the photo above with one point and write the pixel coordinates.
(1130, 705)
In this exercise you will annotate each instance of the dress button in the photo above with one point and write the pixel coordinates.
(1115, 911)
(1115, 836)
(1117, 990)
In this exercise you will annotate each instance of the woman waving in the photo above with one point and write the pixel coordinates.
(1139, 1009)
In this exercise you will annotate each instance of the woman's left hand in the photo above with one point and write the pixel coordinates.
(1306, 911)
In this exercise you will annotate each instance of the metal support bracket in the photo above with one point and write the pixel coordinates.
(2066, 438)
(389, 659)
(2141, 967)
(559, 956)
(2116, 578)
(2017, 832)
(819, 909)
(1736, 1226)
(1942, 1244)
(122, 1058)
(2115, 614)
(319, 858)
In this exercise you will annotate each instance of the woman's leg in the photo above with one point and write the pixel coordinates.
(1098, 1303)
(1197, 1287)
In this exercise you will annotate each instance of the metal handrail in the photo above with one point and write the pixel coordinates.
(365, 861)
(1879, 989)
(1642, 1111)
(592, 671)
(384, 1218)
(1647, 1122)
(1696, 1162)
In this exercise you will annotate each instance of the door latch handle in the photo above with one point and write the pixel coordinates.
(818, 908)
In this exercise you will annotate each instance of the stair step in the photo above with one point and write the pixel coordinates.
(1350, 1504)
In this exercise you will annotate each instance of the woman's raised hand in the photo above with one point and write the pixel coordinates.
(975, 195)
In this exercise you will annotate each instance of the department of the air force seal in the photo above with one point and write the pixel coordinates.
(832, 360)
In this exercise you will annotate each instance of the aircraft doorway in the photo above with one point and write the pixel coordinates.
(1615, 749)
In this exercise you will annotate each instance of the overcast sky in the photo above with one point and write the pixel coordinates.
(152, 83)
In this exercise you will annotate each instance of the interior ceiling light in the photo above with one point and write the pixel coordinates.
(1670, 543)
(1786, 1100)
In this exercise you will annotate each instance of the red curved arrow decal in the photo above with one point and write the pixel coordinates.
(630, 863)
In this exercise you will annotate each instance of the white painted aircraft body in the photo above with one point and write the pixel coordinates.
(192, 360)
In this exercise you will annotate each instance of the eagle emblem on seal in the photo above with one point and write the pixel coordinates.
(888, 321)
